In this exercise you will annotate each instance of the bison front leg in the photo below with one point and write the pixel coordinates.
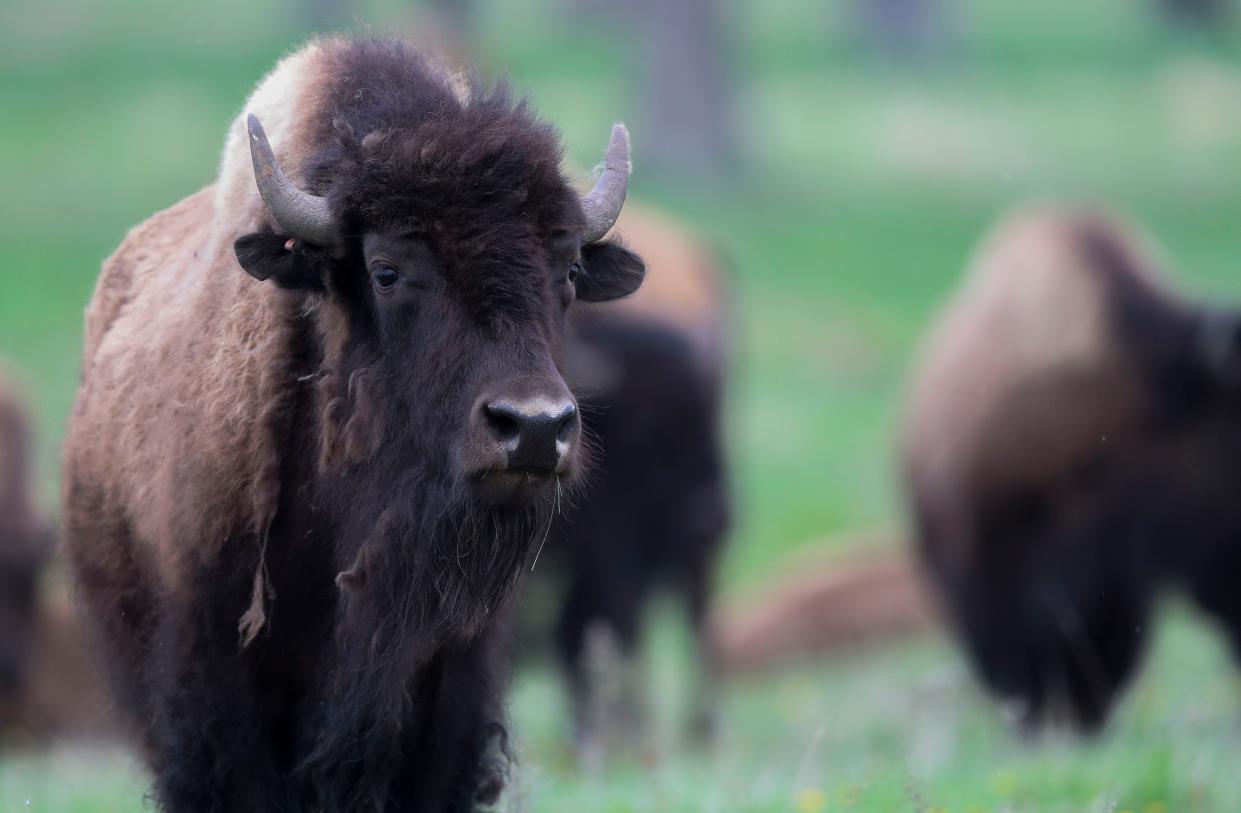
(206, 723)
(598, 641)
(704, 703)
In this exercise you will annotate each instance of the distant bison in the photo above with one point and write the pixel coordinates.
(649, 373)
(59, 697)
(25, 545)
(297, 498)
(1073, 445)
(824, 601)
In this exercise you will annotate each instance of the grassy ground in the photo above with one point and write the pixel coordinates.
(863, 189)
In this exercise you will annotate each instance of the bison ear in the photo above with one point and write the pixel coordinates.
(287, 262)
(609, 271)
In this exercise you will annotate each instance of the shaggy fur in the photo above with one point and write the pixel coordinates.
(25, 544)
(1071, 447)
(649, 373)
(267, 502)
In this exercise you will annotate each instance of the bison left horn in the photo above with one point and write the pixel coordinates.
(305, 216)
(602, 204)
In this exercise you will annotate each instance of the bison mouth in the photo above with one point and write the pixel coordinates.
(515, 487)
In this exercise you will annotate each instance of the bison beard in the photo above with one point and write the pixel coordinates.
(404, 706)
(420, 579)
(415, 594)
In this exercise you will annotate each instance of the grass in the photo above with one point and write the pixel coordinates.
(864, 186)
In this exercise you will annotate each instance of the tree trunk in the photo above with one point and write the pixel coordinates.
(326, 15)
(905, 29)
(1204, 13)
(687, 125)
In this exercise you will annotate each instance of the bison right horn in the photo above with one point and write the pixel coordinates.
(305, 216)
(602, 204)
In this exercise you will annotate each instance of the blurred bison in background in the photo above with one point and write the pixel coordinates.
(49, 691)
(322, 423)
(1073, 445)
(60, 695)
(649, 373)
(25, 546)
(823, 602)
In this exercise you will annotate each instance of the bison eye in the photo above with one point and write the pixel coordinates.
(386, 278)
(575, 271)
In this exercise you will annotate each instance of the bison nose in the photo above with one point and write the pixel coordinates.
(535, 434)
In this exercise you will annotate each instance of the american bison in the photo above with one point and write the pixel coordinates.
(59, 696)
(1072, 448)
(321, 425)
(822, 603)
(649, 373)
(25, 545)
(48, 688)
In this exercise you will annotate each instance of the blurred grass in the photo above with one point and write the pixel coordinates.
(863, 187)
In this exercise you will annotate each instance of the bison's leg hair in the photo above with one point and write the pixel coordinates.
(1053, 617)
(1212, 585)
(208, 755)
(455, 722)
(597, 638)
(696, 590)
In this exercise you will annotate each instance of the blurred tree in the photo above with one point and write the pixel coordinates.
(326, 15)
(595, 10)
(687, 122)
(1196, 12)
(454, 19)
(905, 28)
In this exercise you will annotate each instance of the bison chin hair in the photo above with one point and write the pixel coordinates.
(430, 576)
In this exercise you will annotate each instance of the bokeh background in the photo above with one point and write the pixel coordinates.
(844, 155)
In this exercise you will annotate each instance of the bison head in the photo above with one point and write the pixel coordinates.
(452, 247)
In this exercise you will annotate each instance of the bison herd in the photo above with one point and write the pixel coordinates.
(338, 404)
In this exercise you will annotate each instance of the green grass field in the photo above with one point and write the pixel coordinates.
(863, 189)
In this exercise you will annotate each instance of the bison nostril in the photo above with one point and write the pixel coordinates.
(534, 434)
(567, 425)
(504, 420)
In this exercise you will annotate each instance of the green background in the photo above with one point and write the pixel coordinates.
(860, 191)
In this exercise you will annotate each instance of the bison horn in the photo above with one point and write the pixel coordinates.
(303, 215)
(603, 203)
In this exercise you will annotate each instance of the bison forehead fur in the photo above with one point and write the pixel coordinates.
(264, 505)
(1071, 446)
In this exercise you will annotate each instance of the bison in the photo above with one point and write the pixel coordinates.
(59, 697)
(25, 545)
(1072, 449)
(649, 373)
(321, 424)
(822, 603)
